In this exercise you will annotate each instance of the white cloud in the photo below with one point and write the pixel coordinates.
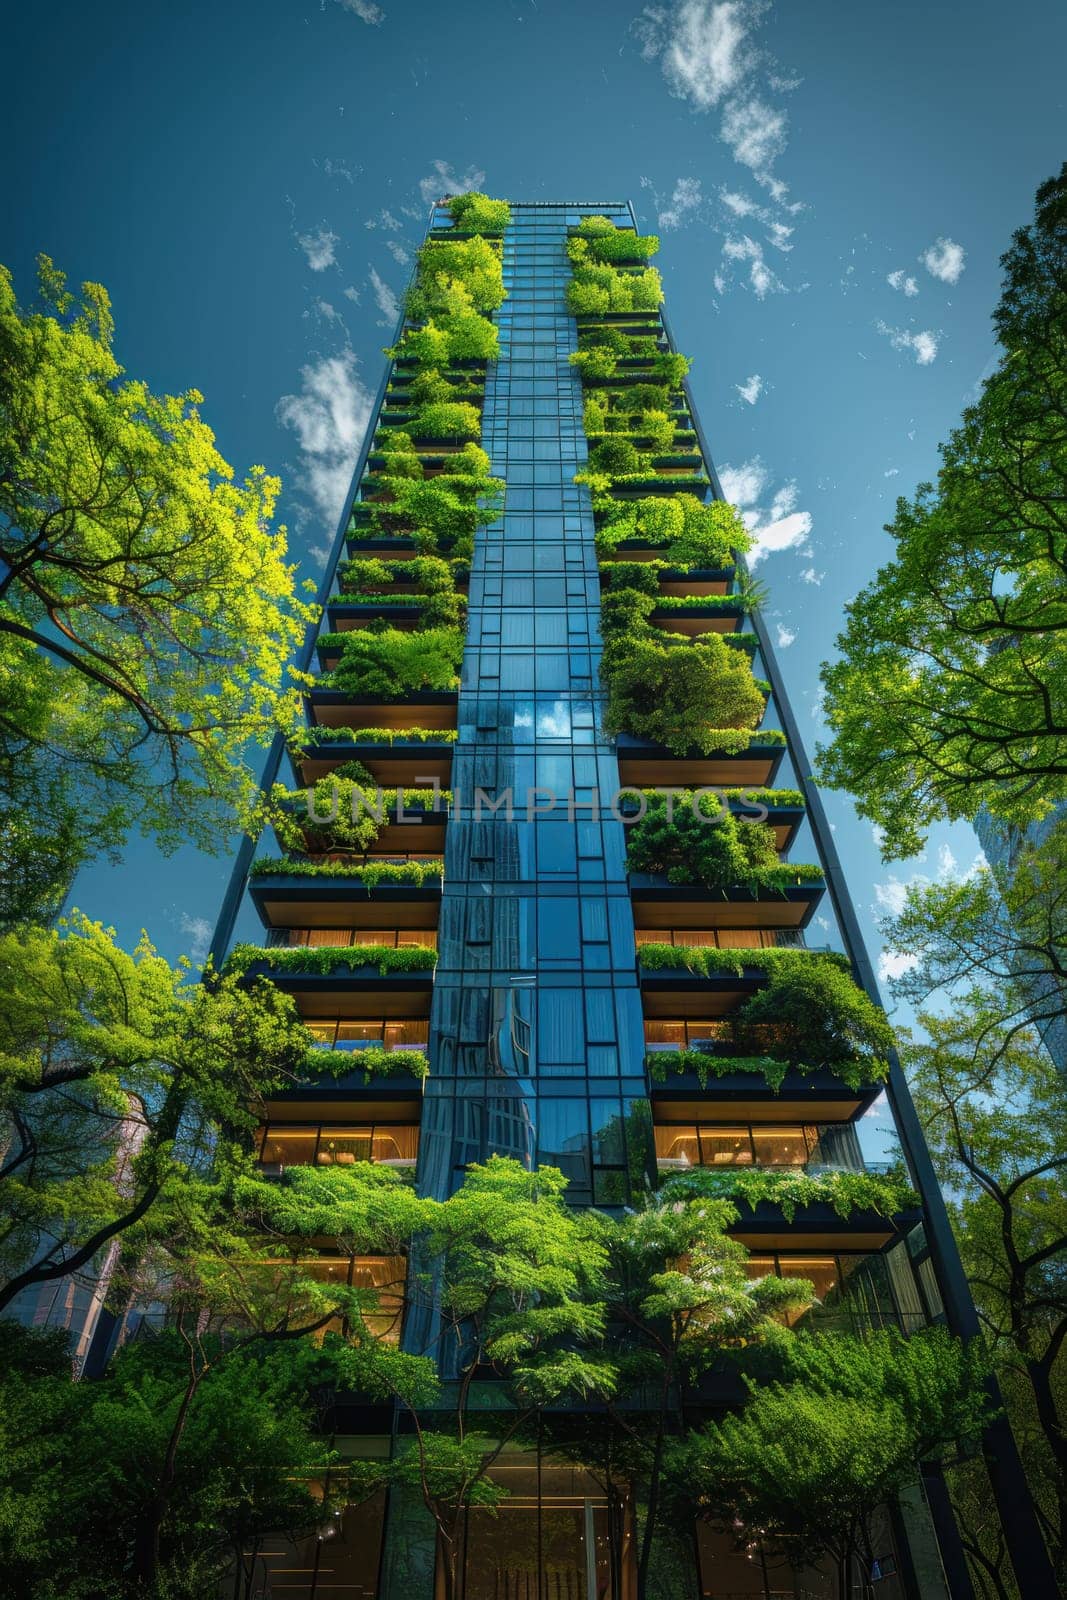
(398, 252)
(754, 131)
(388, 304)
(365, 11)
(709, 56)
(777, 527)
(751, 389)
(944, 259)
(760, 276)
(320, 248)
(199, 930)
(894, 964)
(809, 575)
(442, 180)
(891, 472)
(704, 47)
(892, 895)
(923, 345)
(905, 284)
(685, 199)
(352, 294)
(786, 636)
(330, 417)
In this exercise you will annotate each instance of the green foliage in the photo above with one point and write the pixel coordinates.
(844, 1192)
(474, 212)
(993, 1110)
(369, 574)
(709, 962)
(812, 1010)
(614, 455)
(447, 420)
(953, 673)
(455, 274)
(374, 1061)
(691, 533)
(104, 1059)
(704, 1065)
(369, 874)
(390, 663)
(718, 853)
(597, 289)
(700, 697)
(310, 737)
(806, 1460)
(338, 812)
(324, 959)
(147, 611)
(621, 244)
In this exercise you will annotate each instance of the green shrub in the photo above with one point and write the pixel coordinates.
(708, 962)
(812, 1011)
(476, 213)
(447, 420)
(390, 663)
(374, 1061)
(613, 456)
(596, 362)
(316, 736)
(368, 574)
(703, 697)
(720, 852)
(455, 276)
(691, 532)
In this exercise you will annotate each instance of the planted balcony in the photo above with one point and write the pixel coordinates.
(809, 1210)
(704, 867)
(394, 755)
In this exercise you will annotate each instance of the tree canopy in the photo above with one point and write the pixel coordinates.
(951, 689)
(147, 609)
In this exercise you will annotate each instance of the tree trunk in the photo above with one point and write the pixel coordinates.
(150, 1523)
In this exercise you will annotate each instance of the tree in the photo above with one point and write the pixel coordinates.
(210, 1443)
(808, 1458)
(992, 1107)
(146, 607)
(1001, 935)
(117, 1073)
(951, 690)
(680, 1299)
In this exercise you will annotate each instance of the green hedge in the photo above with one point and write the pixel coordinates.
(712, 963)
(370, 874)
(661, 1063)
(375, 1061)
(318, 735)
(474, 212)
(324, 959)
(845, 1192)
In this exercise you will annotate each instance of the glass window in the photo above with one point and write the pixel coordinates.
(725, 1147)
(780, 1147)
(678, 1143)
(289, 1147)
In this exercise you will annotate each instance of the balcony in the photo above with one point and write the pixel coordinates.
(661, 907)
(645, 765)
(342, 903)
(705, 980)
(409, 757)
(364, 981)
(804, 1209)
(426, 708)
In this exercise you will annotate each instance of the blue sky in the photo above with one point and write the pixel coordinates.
(833, 185)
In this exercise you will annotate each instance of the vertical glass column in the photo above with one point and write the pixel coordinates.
(536, 1034)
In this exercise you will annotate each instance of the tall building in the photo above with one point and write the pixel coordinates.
(532, 966)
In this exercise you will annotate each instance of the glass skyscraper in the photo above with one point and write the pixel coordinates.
(559, 1028)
